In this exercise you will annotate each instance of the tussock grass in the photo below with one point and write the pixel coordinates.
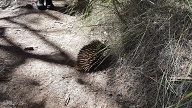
(2, 68)
(2, 65)
(153, 41)
(156, 34)
(155, 38)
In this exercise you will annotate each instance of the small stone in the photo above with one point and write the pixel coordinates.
(29, 48)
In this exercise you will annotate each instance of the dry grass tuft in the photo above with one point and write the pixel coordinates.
(153, 41)
(4, 74)
(156, 38)
(155, 45)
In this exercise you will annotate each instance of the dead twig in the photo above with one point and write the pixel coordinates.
(176, 79)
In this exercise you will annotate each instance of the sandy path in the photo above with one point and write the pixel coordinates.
(44, 77)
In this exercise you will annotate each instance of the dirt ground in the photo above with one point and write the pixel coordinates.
(38, 51)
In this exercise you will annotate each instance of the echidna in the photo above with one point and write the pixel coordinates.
(90, 56)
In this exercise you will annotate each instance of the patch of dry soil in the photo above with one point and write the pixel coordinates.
(39, 50)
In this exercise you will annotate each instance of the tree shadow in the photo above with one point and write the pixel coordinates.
(19, 55)
(14, 56)
(60, 58)
(29, 9)
(20, 92)
(2, 32)
(40, 104)
(4, 96)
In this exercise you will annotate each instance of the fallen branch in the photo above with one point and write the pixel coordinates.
(174, 79)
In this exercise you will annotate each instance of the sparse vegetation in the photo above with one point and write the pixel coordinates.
(152, 39)
(3, 74)
(155, 36)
